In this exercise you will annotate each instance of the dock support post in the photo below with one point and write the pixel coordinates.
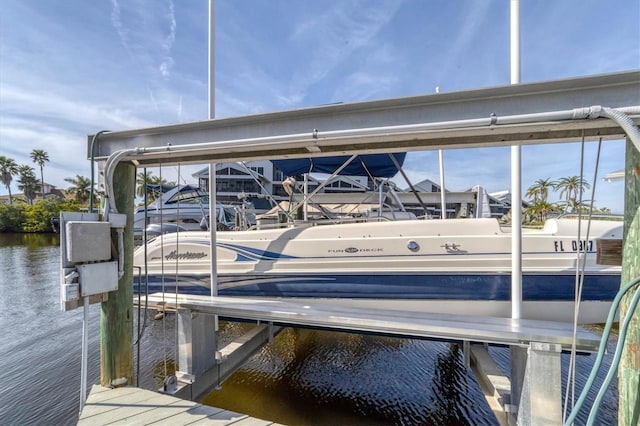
(202, 366)
(518, 358)
(116, 320)
(541, 397)
(629, 368)
(196, 342)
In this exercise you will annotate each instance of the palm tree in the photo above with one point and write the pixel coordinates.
(8, 168)
(539, 191)
(39, 156)
(540, 210)
(571, 187)
(143, 181)
(28, 182)
(575, 206)
(81, 188)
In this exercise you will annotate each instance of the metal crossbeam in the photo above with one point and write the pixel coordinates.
(473, 118)
(449, 327)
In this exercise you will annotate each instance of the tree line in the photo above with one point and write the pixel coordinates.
(30, 214)
(34, 212)
(569, 189)
(29, 184)
(80, 187)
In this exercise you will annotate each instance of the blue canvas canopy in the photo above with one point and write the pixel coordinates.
(378, 165)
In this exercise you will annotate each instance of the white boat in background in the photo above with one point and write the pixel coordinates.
(455, 265)
(182, 207)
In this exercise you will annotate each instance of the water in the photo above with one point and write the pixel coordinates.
(305, 377)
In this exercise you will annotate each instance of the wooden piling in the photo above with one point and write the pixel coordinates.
(629, 368)
(116, 321)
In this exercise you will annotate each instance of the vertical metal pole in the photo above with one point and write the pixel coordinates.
(212, 59)
(213, 255)
(518, 355)
(85, 351)
(516, 178)
(212, 167)
(443, 204)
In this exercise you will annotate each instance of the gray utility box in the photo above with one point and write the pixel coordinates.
(96, 278)
(88, 241)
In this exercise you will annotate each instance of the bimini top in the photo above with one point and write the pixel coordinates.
(378, 165)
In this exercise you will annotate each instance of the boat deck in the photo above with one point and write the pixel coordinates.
(134, 406)
(448, 327)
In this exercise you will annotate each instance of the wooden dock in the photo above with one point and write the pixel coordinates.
(135, 406)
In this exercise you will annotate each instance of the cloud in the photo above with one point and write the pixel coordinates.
(168, 42)
(345, 28)
(49, 106)
(464, 33)
(148, 38)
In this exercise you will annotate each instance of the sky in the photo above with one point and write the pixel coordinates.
(70, 68)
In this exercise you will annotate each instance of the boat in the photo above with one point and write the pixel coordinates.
(452, 265)
(460, 266)
(182, 207)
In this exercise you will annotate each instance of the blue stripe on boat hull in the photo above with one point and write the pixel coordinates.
(558, 287)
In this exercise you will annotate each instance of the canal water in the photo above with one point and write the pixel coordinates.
(305, 377)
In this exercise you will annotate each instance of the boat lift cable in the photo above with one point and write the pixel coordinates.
(142, 321)
(177, 264)
(142, 290)
(571, 374)
(162, 280)
(142, 328)
(601, 352)
(581, 257)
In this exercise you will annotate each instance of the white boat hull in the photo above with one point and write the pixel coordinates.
(453, 266)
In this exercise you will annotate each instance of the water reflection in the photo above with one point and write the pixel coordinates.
(311, 377)
(30, 241)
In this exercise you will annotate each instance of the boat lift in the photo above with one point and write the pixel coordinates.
(590, 108)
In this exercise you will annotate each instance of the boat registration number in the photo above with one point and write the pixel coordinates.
(575, 245)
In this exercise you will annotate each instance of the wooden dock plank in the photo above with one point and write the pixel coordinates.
(139, 412)
(252, 421)
(166, 412)
(221, 418)
(134, 406)
(117, 399)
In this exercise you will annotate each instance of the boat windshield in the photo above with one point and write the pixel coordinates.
(192, 196)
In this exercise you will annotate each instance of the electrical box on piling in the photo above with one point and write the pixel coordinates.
(87, 265)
